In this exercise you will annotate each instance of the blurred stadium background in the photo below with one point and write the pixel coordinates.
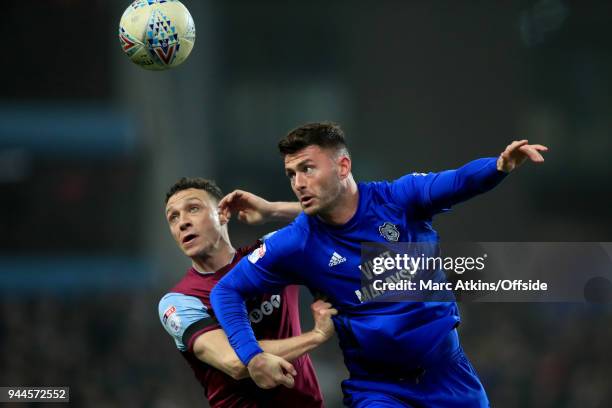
(89, 144)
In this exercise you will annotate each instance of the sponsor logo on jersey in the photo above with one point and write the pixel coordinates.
(257, 254)
(336, 259)
(389, 232)
(265, 309)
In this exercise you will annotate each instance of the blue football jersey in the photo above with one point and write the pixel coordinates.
(326, 259)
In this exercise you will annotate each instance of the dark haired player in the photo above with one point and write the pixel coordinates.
(186, 313)
(402, 354)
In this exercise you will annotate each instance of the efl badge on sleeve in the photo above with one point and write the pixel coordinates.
(257, 254)
(172, 320)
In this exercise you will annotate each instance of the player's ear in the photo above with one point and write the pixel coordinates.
(344, 166)
(223, 217)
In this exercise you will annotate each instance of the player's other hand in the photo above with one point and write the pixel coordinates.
(517, 152)
(269, 371)
(248, 207)
(324, 326)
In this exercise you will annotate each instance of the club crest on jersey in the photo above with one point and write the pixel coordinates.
(389, 232)
(257, 254)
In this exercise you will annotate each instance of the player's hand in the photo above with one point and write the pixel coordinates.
(250, 209)
(517, 152)
(269, 371)
(321, 313)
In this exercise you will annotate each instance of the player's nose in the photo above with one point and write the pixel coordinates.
(184, 223)
(300, 181)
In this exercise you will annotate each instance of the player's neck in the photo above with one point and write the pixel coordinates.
(214, 261)
(345, 207)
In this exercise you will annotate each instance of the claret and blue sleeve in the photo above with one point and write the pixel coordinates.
(178, 312)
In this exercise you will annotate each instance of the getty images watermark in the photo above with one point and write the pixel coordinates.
(486, 272)
(407, 267)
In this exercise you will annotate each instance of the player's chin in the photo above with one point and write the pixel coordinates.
(194, 250)
(311, 209)
(188, 252)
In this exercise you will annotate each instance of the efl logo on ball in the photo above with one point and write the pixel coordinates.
(157, 34)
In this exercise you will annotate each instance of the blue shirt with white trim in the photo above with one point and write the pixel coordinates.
(326, 259)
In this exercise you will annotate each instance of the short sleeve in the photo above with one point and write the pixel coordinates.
(182, 316)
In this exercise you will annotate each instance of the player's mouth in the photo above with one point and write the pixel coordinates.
(306, 200)
(188, 239)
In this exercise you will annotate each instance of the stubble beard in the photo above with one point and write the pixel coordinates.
(326, 207)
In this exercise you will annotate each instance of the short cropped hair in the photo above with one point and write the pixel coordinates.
(199, 183)
(323, 134)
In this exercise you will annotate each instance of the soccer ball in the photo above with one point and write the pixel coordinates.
(157, 34)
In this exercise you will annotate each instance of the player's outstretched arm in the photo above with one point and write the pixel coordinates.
(254, 210)
(436, 192)
(214, 348)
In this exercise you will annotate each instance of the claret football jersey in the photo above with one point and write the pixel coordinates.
(185, 312)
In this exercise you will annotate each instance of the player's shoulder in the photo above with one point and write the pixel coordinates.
(178, 312)
(301, 224)
(180, 305)
(392, 190)
(291, 236)
(375, 191)
(177, 300)
(282, 243)
(384, 185)
(193, 283)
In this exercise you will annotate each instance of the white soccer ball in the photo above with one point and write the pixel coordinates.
(157, 34)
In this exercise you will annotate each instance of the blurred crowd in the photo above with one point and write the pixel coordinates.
(541, 355)
(111, 351)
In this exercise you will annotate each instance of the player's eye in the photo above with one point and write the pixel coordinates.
(308, 169)
(172, 218)
(194, 209)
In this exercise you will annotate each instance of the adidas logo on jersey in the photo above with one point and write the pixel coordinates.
(336, 259)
